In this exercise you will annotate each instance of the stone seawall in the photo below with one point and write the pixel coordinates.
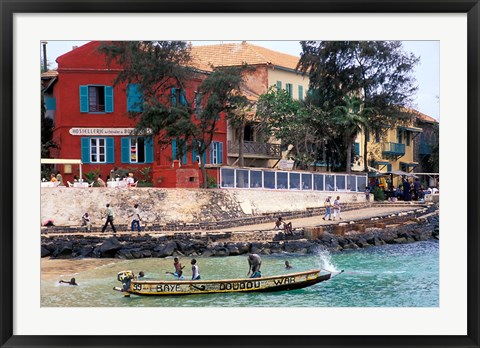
(65, 206)
(206, 244)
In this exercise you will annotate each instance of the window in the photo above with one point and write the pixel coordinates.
(377, 136)
(137, 150)
(97, 150)
(289, 89)
(279, 85)
(407, 138)
(216, 152)
(179, 150)
(178, 96)
(96, 99)
(248, 133)
(399, 136)
(300, 92)
(134, 98)
(198, 107)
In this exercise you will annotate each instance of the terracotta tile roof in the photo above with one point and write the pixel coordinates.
(235, 54)
(422, 117)
(49, 74)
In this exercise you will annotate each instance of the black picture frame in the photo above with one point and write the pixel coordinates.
(11, 7)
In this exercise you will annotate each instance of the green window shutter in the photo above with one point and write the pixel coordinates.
(125, 150)
(174, 149)
(149, 150)
(83, 98)
(219, 153)
(134, 98)
(183, 99)
(173, 93)
(194, 151)
(407, 135)
(85, 144)
(110, 150)
(108, 99)
(279, 85)
(389, 167)
(399, 136)
(300, 92)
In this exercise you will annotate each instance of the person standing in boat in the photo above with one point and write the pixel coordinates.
(254, 262)
(195, 272)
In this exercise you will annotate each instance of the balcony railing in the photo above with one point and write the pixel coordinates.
(393, 149)
(256, 148)
(424, 149)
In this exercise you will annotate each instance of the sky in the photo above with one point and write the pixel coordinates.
(426, 72)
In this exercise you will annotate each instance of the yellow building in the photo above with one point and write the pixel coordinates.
(272, 68)
(390, 150)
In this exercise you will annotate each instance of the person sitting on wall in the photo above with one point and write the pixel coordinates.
(281, 225)
(130, 179)
(53, 178)
(100, 181)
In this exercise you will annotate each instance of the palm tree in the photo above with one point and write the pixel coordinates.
(350, 118)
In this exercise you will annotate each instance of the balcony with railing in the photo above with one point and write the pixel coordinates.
(424, 149)
(255, 149)
(395, 150)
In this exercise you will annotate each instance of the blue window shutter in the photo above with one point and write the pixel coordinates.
(125, 150)
(110, 150)
(357, 148)
(211, 152)
(50, 103)
(108, 99)
(85, 150)
(407, 134)
(149, 150)
(279, 85)
(300, 92)
(134, 98)
(399, 136)
(83, 98)
(174, 96)
(184, 158)
(219, 153)
(389, 167)
(183, 99)
(194, 151)
(174, 149)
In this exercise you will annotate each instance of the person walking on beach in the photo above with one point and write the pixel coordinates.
(336, 208)
(86, 222)
(328, 208)
(136, 219)
(109, 216)
(254, 263)
(195, 272)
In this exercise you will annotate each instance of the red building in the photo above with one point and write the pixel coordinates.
(92, 123)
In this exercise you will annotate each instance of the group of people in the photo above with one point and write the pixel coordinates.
(328, 208)
(109, 217)
(129, 180)
(178, 274)
(56, 178)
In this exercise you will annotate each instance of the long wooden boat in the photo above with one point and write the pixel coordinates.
(292, 281)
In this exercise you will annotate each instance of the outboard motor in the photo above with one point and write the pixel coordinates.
(125, 277)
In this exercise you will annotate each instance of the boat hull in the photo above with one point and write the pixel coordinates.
(265, 284)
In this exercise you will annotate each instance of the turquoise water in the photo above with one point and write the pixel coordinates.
(403, 275)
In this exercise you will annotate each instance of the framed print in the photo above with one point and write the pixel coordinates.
(429, 299)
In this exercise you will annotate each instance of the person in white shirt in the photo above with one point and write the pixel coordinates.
(130, 179)
(336, 208)
(195, 272)
(136, 219)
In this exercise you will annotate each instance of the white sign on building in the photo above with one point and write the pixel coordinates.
(106, 131)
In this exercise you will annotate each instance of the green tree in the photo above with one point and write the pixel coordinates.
(157, 67)
(46, 132)
(378, 72)
(350, 119)
(292, 122)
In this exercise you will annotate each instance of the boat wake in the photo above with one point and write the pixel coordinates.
(325, 261)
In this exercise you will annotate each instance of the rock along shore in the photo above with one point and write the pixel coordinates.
(336, 238)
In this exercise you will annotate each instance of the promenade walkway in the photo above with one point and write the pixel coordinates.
(351, 215)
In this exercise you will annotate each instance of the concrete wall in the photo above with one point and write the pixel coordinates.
(65, 206)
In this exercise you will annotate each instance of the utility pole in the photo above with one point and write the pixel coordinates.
(44, 47)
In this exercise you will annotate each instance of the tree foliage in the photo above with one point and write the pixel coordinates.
(157, 67)
(379, 73)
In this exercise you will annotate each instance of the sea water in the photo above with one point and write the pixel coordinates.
(401, 275)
